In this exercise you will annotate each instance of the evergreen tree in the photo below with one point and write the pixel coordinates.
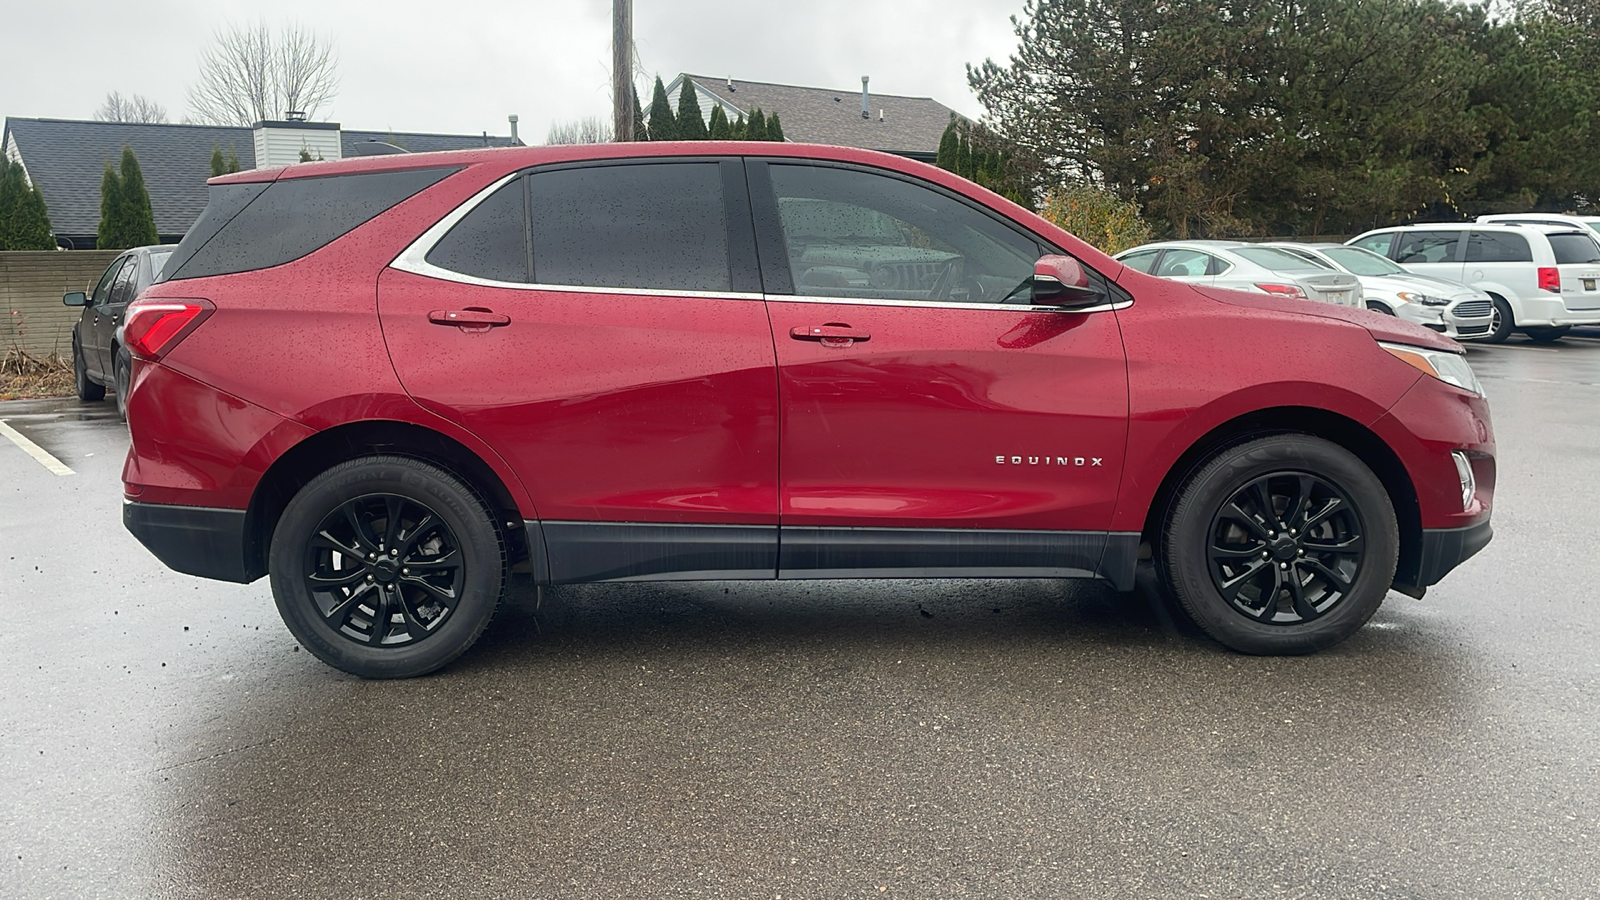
(30, 222)
(756, 128)
(305, 155)
(10, 200)
(949, 146)
(108, 236)
(720, 130)
(691, 125)
(233, 161)
(640, 133)
(739, 130)
(774, 129)
(663, 122)
(219, 166)
(140, 219)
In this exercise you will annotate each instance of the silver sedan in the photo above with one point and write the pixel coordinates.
(1448, 307)
(1238, 266)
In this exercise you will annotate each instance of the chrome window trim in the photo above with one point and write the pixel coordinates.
(414, 259)
(937, 304)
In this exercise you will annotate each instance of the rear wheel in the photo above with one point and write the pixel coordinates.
(121, 383)
(1501, 323)
(87, 389)
(1377, 307)
(387, 567)
(1546, 335)
(1283, 545)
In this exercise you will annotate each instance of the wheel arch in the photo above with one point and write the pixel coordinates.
(1330, 426)
(319, 452)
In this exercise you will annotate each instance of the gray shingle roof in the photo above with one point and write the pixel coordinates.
(66, 159)
(825, 116)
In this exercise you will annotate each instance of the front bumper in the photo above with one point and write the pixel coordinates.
(193, 540)
(1442, 550)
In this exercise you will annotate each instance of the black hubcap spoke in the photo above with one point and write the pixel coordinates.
(1286, 547)
(384, 570)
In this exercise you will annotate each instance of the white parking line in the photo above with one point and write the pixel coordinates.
(34, 450)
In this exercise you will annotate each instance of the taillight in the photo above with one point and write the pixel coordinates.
(1283, 290)
(154, 327)
(1550, 279)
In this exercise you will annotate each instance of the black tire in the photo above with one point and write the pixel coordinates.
(1209, 546)
(416, 540)
(1548, 334)
(1377, 307)
(121, 380)
(1502, 323)
(88, 390)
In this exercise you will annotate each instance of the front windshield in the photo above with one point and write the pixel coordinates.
(1363, 262)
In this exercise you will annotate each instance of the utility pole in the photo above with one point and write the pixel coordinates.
(622, 101)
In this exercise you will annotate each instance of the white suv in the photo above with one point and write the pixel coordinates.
(1543, 279)
(1561, 219)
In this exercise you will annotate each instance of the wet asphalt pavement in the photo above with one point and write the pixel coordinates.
(162, 736)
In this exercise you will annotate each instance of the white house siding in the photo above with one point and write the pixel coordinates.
(280, 145)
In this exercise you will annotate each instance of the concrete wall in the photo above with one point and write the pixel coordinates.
(31, 285)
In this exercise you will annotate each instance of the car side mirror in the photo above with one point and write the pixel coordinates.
(1061, 281)
(76, 298)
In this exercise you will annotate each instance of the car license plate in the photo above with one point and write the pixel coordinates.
(1588, 284)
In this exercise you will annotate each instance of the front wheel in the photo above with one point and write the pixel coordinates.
(387, 567)
(1501, 322)
(1282, 545)
(1377, 307)
(87, 389)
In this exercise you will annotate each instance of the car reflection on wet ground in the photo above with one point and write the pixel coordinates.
(164, 737)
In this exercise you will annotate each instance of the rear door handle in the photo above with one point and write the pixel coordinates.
(471, 317)
(829, 333)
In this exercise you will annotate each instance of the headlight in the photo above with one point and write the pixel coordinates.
(1450, 368)
(1424, 299)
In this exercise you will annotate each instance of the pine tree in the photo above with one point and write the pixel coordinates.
(140, 219)
(219, 166)
(720, 130)
(108, 236)
(774, 129)
(663, 122)
(756, 129)
(640, 133)
(949, 146)
(691, 125)
(10, 200)
(739, 130)
(30, 222)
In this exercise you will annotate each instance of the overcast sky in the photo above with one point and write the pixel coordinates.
(460, 66)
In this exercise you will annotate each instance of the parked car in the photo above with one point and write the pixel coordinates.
(1542, 279)
(1558, 219)
(1448, 307)
(1246, 267)
(404, 378)
(98, 358)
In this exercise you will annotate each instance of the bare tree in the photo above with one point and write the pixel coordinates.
(137, 108)
(592, 130)
(250, 75)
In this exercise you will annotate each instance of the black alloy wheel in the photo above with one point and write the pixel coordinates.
(1285, 544)
(1286, 548)
(384, 570)
(387, 567)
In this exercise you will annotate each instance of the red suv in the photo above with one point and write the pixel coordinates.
(391, 382)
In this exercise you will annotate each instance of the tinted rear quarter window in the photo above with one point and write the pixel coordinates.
(491, 241)
(1427, 247)
(1574, 248)
(661, 226)
(1494, 246)
(289, 218)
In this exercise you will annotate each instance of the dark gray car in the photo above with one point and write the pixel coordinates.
(98, 361)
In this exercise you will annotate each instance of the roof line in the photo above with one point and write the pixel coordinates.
(723, 80)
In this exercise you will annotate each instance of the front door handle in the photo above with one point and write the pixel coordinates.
(474, 318)
(833, 333)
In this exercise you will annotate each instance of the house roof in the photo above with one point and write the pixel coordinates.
(66, 159)
(909, 125)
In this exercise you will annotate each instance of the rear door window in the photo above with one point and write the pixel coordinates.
(1427, 247)
(491, 241)
(1497, 246)
(1141, 261)
(655, 226)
